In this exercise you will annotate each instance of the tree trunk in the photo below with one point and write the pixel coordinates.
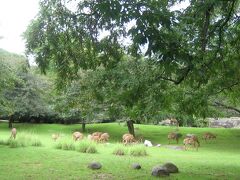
(83, 127)
(10, 121)
(130, 127)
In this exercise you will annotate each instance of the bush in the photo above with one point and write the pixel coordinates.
(86, 146)
(138, 151)
(22, 140)
(120, 151)
(65, 145)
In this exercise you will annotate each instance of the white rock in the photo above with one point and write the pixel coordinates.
(148, 143)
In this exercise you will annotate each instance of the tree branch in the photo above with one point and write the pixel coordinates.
(218, 104)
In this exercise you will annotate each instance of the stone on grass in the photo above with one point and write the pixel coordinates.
(170, 167)
(136, 166)
(148, 143)
(94, 165)
(159, 171)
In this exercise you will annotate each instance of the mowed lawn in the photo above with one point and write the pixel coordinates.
(218, 159)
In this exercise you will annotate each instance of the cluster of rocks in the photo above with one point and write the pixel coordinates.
(232, 122)
(158, 171)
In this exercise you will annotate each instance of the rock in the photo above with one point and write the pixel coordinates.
(158, 145)
(94, 165)
(232, 122)
(136, 166)
(171, 168)
(166, 122)
(148, 143)
(160, 171)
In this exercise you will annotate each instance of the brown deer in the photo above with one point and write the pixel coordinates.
(13, 133)
(128, 138)
(104, 137)
(77, 136)
(96, 136)
(191, 140)
(208, 136)
(174, 136)
(55, 136)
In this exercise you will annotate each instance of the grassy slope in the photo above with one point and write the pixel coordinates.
(218, 159)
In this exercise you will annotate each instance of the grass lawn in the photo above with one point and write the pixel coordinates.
(218, 159)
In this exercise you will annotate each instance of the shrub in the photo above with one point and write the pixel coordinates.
(86, 146)
(138, 151)
(91, 149)
(22, 140)
(36, 142)
(15, 143)
(120, 150)
(68, 146)
(65, 145)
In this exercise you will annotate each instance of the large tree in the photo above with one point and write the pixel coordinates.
(196, 49)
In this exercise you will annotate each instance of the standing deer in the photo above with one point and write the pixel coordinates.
(208, 136)
(174, 136)
(13, 133)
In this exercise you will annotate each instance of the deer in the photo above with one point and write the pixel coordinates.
(96, 136)
(191, 140)
(77, 136)
(128, 138)
(208, 136)
(104, 137)
(13, 133)
(174, 136)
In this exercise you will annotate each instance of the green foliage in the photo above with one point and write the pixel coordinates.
(86, 146)
(23, 140)
(120, 150)
(139, 150)
(65, 145)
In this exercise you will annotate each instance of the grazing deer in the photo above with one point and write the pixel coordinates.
(104, 137)
(55, 136)
(97, 134)
(208, 136)
(13, 133)
(174, 136)
(77, 136)
(191, 140)
(128, 138)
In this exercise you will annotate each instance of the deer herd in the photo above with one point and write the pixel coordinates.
(100, 137)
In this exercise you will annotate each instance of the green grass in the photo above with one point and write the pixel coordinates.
(218, 159)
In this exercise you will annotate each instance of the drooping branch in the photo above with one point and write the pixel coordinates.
(218, 104)
(180, 79)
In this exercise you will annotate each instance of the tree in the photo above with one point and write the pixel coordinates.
(22, 92)
(196, 50)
